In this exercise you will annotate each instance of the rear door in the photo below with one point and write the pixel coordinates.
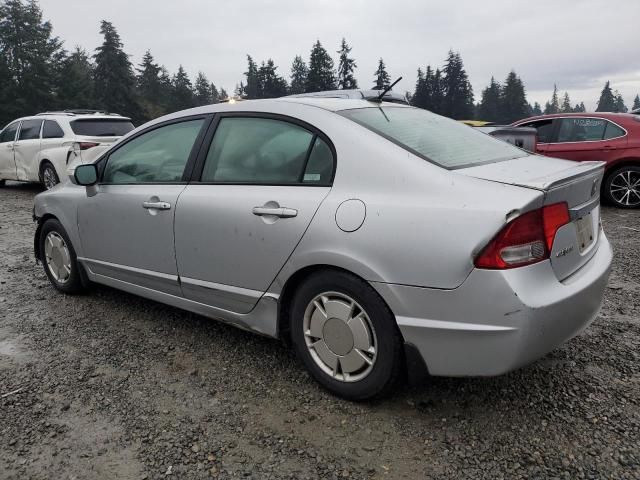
(257, 188)
(7, 157)
(26, 150)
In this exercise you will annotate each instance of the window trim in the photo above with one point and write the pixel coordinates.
(102, 161)
(208, 140)
(556, 129)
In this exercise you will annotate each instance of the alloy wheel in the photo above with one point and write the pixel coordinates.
(340, 337)
(57, 257)
(625, 188)
(49, 178)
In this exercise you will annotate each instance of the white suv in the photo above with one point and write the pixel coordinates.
(38, 148)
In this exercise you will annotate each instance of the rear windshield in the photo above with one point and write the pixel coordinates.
(437, 139)
(101, 127)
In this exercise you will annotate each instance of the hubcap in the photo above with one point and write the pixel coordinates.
(340, 337)
(625, 188)
(57, 257)
(49, 178)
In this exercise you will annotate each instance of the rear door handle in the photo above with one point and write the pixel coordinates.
(156, 205)
(282, 212)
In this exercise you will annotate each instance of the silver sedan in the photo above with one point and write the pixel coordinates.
(376, 238)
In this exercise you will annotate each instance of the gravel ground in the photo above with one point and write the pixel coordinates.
(114, 386)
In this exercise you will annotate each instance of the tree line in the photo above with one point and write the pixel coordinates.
(38, 74)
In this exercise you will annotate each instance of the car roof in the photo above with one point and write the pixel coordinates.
(70, 115)
(352, 93)
(606, 115)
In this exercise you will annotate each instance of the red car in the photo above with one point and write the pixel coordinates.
(610, 137)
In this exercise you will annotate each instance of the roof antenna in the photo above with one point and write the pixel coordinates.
(384, 92)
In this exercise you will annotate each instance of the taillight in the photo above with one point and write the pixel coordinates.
(525, 240)
(87, 145)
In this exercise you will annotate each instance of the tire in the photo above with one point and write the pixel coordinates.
(2, 183)
(335, 352)
(48, 175)
(621, 188)
(59, 258)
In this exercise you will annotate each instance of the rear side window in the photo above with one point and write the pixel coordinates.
(613, 131)
(9, 133)
(101, 127)
(158, 156)
(544, 129)
(440, 140)
(266, 151)
(581, 129)
(51, 129)
(30, 129)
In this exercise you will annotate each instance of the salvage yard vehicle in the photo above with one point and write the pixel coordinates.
(377, 238)
(39, 148)
(610, 137)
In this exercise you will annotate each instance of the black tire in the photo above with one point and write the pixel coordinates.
(74, 283)
(387, 365)
(48, 175)
(615, 179)
(2, 182)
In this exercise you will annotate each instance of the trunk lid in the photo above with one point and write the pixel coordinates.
(578, 184)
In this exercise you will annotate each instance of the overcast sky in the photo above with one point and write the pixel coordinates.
(577, 44)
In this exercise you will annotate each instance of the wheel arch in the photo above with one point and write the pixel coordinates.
(36, 236)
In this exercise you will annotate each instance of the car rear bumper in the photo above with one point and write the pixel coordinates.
(497, 321)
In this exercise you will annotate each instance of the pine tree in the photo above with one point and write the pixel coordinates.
(182, 91)
(346, 67)
(299, 72)
(321, 75)
(114, 78)
(76, 88)
(536, 109)
(607, 102)
(382, 79)
(202, 90)
(270, 84)
(566, 104)
(251, 87)
(579, 108)
(619, 106)
(223, 95)
(31, 60)
(458, 94)
(215, 95)
(636, 102)
(554, 105)
(419, 98)
(436, 89)
(514, 104)
(150, 87)
(491, 103)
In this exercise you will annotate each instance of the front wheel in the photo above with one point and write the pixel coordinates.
(59, 258)
(48, 176)
(346, 336)
(622, 187)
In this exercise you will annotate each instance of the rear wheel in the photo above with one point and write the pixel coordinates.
(59, 258)
(2, 182)
(622, 187)
(48, 175)
(346, 336)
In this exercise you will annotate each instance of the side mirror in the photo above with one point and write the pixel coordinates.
(86, 175)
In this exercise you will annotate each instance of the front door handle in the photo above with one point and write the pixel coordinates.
(156, 205)
(282, 212)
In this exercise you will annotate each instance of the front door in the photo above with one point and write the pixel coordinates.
(126, 228)
(7, 158)
(261, 183)
(26, 150)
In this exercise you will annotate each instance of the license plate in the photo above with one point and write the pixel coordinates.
(584, 228)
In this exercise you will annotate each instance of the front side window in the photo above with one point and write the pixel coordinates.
(51, 129)
(578, 129)
(158, 156)
(544, 129)
(30, 129)
(266, 151)
(440, 140)
(9, 133)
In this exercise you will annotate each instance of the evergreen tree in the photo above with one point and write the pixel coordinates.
(436, 89)
(636, 102)
(321, 75)
(114, 78)
(514, 104)
(566, 104)
(31, 60)
(75, 89)
(619, 106)
(490, 107)
(150, 87)
(251, 87)
(299, 72)
(579, 108)
(270, 84)
(382, 79)
(536, 109)
(215, 95)
(419, 98)
(202, 90)
(458, 94)
(554, 105)
(346, 67)
(182, 91)
(607, 102)
(223, 95)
